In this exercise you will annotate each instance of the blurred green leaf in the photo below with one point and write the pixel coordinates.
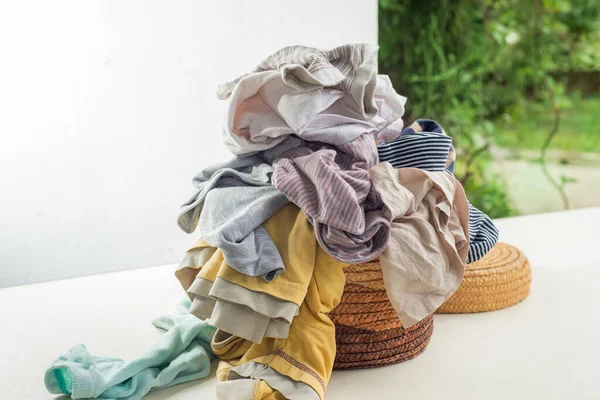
(566, 179)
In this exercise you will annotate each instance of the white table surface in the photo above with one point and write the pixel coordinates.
(547, 347)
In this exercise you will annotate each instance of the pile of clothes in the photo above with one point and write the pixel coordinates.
(324, 174)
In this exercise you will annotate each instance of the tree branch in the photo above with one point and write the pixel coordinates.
(553, 132)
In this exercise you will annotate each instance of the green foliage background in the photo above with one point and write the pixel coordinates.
(471, 63)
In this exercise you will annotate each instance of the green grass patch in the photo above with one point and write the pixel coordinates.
(579, 127)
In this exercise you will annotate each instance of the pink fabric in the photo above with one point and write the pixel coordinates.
(333, 188)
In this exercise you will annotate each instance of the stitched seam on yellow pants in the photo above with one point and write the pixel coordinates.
(254, 394)
(300, 366)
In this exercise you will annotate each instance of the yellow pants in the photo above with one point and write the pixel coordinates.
(313, 280)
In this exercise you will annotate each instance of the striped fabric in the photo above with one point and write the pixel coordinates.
(332, 186)
(425, 150)
(433, 131)
(483, 234)
(424, 145)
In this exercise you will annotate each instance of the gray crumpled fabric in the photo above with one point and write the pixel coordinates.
(232, 201)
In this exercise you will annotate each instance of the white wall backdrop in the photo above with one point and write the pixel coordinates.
(107, 111)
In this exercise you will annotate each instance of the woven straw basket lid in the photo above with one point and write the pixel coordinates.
(368, 331)
(500, 279)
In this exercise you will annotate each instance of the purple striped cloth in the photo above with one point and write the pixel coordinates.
(332, 186)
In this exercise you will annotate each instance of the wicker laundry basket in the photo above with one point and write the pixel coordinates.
(363, 348)
(500, 279)
(368, 331)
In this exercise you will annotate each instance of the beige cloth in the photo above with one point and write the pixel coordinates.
(424, 262)
(233, 308)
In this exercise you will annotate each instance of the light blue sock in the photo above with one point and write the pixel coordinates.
(182, 355)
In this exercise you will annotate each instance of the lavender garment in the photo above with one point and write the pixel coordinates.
(331, 185)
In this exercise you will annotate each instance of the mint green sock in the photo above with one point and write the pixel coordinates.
(182, 355)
